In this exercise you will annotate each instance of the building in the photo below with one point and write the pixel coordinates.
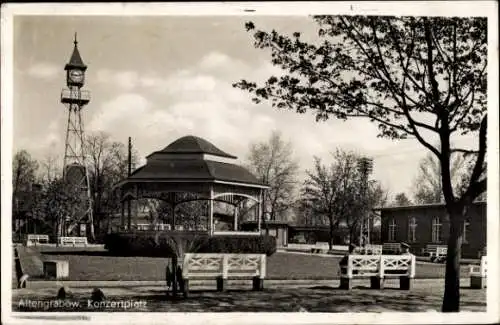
(277, 229)
(422, 225)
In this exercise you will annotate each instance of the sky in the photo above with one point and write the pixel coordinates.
(156, 79)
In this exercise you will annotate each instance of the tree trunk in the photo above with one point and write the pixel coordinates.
(330, 242)
(174, 275)
(451, 300)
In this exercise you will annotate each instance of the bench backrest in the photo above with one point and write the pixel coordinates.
(405, 263)
(437, 249)
(72, 240)
(321, 245)
(395, 247)
(224, 265)
(36, 237)
(147, 226)
(369, 249)
(376, 265)
(484, 266)
(481, 269)
(365, 264)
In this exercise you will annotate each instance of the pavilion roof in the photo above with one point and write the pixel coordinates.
(176, 167)
(195, 170)
(193, 145)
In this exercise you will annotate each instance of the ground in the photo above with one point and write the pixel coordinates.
(426, 296)
(319, 294)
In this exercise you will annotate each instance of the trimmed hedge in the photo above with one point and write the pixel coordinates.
(168, 244)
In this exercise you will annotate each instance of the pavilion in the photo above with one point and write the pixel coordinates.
(193, 169)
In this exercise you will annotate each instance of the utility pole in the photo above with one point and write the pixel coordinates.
(129, 166)
(365, 167)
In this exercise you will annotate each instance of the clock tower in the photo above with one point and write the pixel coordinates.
(75, 171)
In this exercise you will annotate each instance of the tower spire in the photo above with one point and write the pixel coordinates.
(76, 60)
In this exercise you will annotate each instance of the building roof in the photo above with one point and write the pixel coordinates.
(421, 206)
(76, 60)
(193, 145)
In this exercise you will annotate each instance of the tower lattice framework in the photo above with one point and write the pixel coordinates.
(75, 168)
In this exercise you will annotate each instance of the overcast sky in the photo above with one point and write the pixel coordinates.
(159, 78)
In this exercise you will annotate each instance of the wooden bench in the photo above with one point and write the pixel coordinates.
(378, 268)
(394, 248)
(437, 253)
(320, 247)
(35, 239)
(478, 274)
(72, 241)
(223, 266)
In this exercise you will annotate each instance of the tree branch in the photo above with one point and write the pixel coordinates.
(430, 63)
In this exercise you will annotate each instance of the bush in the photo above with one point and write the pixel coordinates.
(167, 244)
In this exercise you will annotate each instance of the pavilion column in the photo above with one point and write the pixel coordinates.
(129, 213)
(171, 201)
(122, 203)
(211, 211)
(236, 210)
(172, 212)
(259, 212)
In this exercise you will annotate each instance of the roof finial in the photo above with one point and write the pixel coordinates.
(75, 41)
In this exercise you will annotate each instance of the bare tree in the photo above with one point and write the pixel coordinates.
(107, 165)
(336, 192)
(402, 200)
(50, 168)
(274, 164)
(428, 183)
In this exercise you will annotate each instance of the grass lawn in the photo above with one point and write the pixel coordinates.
(422, 298)
(96, 265)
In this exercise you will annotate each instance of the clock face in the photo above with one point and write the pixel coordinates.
(76, 75)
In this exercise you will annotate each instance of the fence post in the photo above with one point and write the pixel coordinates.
(221, 280)
(377, 282)
(263, 266)
(346, 281)
(258, 281)
(185, 275)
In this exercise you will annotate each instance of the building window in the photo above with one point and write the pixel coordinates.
(392, 230)
(436, 230)
(412, 230)
(466, 229)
